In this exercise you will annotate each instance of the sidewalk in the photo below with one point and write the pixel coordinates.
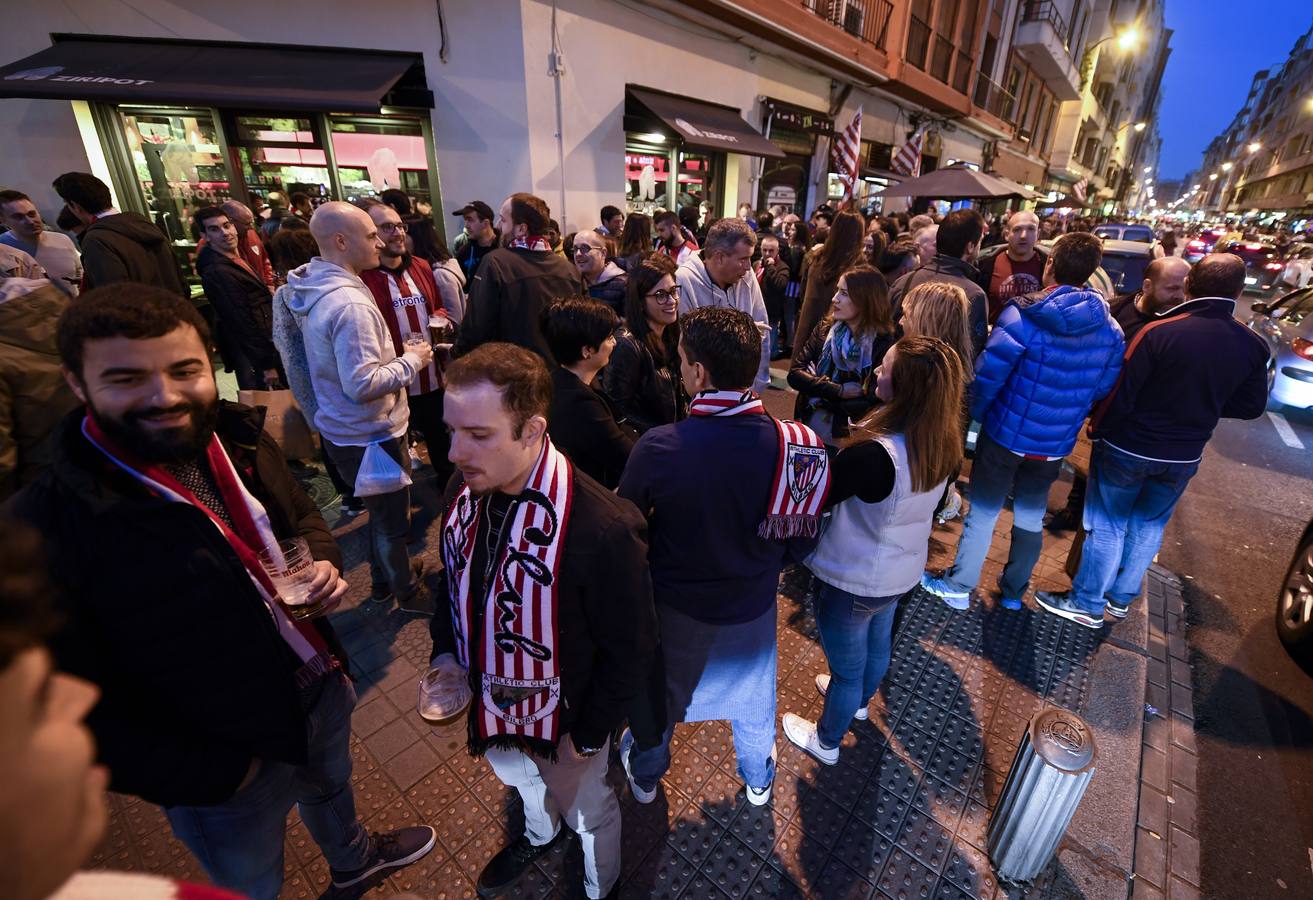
(903, 814)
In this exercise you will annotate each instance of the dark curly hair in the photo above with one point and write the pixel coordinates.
(727, 344)
(125, 309)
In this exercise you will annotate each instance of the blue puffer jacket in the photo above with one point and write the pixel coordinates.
(1048, 360)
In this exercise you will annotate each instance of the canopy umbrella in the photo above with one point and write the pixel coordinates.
(957, 183)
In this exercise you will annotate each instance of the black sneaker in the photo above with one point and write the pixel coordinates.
(1115, 609)
(391, 850)
(504, 869)
(352, 507)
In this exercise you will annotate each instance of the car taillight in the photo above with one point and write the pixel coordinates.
(1302, 348)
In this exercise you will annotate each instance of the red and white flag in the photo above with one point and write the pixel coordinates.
(908, 160)
(846, 152)
(1078, 189)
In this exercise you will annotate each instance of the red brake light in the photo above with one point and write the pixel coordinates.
(1302, 348)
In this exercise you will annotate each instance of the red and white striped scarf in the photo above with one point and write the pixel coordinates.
(531, 243)
(802, 473)
(253, 533)
(515, 653)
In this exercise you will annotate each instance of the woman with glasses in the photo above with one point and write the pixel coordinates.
(643, 376)
(605, 280)
(832, 372)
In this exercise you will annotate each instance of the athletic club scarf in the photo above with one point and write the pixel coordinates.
(531, 243)
(514, 654)
(802, 473)
(253, 533)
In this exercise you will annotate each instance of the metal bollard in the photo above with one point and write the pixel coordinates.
(1052, 768)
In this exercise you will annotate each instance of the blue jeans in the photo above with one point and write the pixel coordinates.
(856, 634)
(239, 842)
(754, 749)
(389, 521)
(1127, 505)
(995, 473)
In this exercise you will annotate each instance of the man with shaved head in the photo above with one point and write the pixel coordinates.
(360, 384)
(1163, 290)
(1019, 269)
(1191, 366)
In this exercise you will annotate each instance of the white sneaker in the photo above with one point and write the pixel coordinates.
(823, 685)
(803, 734)
(759, 797)
(627, 744)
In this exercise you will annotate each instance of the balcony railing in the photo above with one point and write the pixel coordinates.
(993, 99)
(866, 20)
(918, 42)
(1047, 11)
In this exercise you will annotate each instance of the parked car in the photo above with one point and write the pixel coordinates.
(1294, 612)
(1121, 232)
(1123, 266)
(1262, 263)
(1201, 244)
(1287, 326)
(1298, 270)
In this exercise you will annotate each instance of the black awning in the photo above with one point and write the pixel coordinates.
(251, 76)
(702, 124)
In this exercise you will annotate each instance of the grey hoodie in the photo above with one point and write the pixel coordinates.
(359, 383)
(696, 289)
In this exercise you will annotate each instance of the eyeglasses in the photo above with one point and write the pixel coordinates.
(585, 249)
(393, 226)
(664, 297)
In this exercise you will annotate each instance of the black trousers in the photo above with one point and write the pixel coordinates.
(426, 418)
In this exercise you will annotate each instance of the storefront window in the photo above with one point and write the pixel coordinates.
(699, 181)
(649, 187)
(374, 154)
(283, 154)
(179, 165)
(647, 178)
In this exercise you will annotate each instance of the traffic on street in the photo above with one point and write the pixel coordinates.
(681, 449)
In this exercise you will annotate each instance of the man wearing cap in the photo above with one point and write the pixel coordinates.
(477, 240)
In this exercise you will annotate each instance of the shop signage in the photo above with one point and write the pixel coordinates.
(694, 132)
(52, 73)
(786, 115)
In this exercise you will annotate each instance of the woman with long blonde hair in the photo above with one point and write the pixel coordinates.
(886, 485)
(937, 309)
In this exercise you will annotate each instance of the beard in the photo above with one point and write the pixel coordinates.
(173, 446)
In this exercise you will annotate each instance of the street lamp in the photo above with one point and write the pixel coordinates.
(1127, 40)
(1212, 177)
(1140, 126)
(1148, 168)
(1226, 167)
(1255, 147)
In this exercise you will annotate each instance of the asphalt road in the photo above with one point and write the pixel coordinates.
(1231, 539)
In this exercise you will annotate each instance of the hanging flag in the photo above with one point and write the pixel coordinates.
(908, 160)
(845, 153)
(1078, 189)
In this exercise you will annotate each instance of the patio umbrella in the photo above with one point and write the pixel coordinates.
(957, 183)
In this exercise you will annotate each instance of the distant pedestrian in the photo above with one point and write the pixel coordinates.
(549, 616)
(360, 385)
(833, 374)
(957, 246)
(515, 283)
(1190, 367)
(841, 250)
(722, 519)
(885, 488)
(584, 421)
(676, 241)
(772, 274)
(720, 274)
(1016, 270)
(643, 374)
(241, 299)
(56, 252)
(603, 279)
(1051, 356)
(118, 246)
(613, 222)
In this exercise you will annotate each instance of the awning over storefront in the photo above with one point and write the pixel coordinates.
(251, 76)
(709, 126)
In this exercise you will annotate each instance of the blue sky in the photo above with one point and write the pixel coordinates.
(1216, 49)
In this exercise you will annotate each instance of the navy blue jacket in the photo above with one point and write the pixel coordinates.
(1049, 358)
(704, 484)
(1188, 368)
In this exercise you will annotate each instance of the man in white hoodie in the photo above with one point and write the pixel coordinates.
(720, 275)
(360, 383)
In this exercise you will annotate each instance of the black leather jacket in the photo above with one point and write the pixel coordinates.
(647, 394)
(809, 385)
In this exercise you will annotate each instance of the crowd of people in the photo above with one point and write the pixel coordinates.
(618, 506)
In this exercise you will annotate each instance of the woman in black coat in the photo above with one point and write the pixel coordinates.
(583, 421)
(643, 375)
(833, 372)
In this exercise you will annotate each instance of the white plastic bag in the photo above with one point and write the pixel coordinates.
(379, 473)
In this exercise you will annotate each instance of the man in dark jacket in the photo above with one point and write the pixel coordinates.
(117, 246)
(550, 622)
(477, 239)
(604, 280)
(957, 244)
(240, 298)
(772, 273)
(1051, 356)
(1017, 269)
(1193, 365)
(216, 701)
(514, 283)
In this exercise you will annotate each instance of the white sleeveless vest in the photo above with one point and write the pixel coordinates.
(879, 549)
